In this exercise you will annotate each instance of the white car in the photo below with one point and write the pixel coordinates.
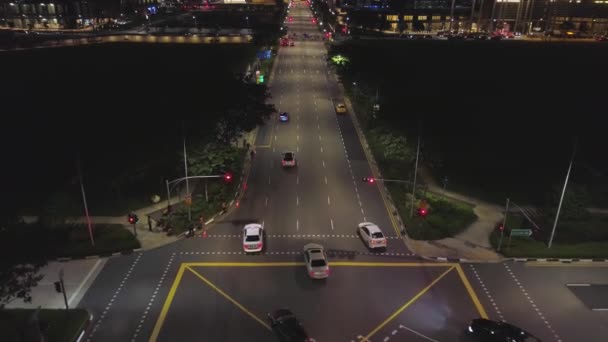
(253, 238)
(316, 261)
(371, 235)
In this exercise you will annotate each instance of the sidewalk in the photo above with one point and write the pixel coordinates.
(472, 244)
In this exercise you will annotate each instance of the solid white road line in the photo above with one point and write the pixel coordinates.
(332, 224)
(84, 281)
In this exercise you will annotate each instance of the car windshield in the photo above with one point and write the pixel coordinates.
(252, 238)
(318, 263)
(288, 156)
(377, 235)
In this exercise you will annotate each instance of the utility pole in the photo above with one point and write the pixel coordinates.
(561, 199)
(452, 14)
(504, 223)
(186, 171)
(415, 172)
(84, 201)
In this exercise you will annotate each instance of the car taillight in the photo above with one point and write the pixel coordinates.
(312, 274)
(282, 162)
(259, 245)
(327, 271)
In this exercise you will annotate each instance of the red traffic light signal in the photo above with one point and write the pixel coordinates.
(369, 179)
(227, 177)
(422, 212)
(132, 218)
(501, 227)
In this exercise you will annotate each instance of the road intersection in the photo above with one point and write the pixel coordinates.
(208, 289)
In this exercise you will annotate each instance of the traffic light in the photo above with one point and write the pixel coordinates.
(227, 177)
(501, 227)
(133, 218)
(422, 212)
(369, 179)
(58, 286)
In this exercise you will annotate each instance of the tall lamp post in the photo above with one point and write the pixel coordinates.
(561, 199)
(415, 173)
(186, 171)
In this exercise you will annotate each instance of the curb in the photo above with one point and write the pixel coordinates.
(96, 256)
(559, 260)
(86, 327)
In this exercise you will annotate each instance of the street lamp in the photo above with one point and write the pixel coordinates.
(195, 22)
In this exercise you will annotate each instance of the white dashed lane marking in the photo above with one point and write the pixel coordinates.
(111, 302)
(487, 292)
(153, 298)
(538, 312)
(328, 251)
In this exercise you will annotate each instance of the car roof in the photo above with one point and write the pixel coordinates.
(373, 228)
(253, 227)
(313, 246)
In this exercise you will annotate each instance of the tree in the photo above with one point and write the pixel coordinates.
(394, 147)
(19, 265)
(246, 110)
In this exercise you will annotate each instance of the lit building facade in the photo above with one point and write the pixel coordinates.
(65, 14)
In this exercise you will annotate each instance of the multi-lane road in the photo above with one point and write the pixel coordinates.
(207, 289)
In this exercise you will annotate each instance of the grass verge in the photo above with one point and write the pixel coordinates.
(56, 325)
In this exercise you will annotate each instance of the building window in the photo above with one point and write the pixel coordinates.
(422, 17)
(392, 18)
(408, 17)
(436, 17)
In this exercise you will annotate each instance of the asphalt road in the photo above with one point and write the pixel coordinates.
(208, 289)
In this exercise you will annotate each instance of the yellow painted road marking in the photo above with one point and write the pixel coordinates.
(225, 295)
(472, 294)
(244, 264)
(165, 309)
(410, 302)
(335, 263)
(574, 264)
(389, 264)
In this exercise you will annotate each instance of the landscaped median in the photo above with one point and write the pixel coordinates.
(444, 218)
(582, 239)
(56, 325)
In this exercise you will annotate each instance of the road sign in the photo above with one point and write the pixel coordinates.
(521, 232)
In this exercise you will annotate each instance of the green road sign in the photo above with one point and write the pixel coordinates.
(521, 232)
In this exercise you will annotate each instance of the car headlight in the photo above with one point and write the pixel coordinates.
(470, 328)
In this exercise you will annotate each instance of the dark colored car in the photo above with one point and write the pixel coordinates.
(492, 331)
(287, 327)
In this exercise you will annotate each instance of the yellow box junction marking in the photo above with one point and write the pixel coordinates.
(225, 295)
(188, 266)
(474, 298)
(406, 305)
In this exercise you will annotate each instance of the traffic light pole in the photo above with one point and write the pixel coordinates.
(415, 173)
(504, 225)
(171, 184)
